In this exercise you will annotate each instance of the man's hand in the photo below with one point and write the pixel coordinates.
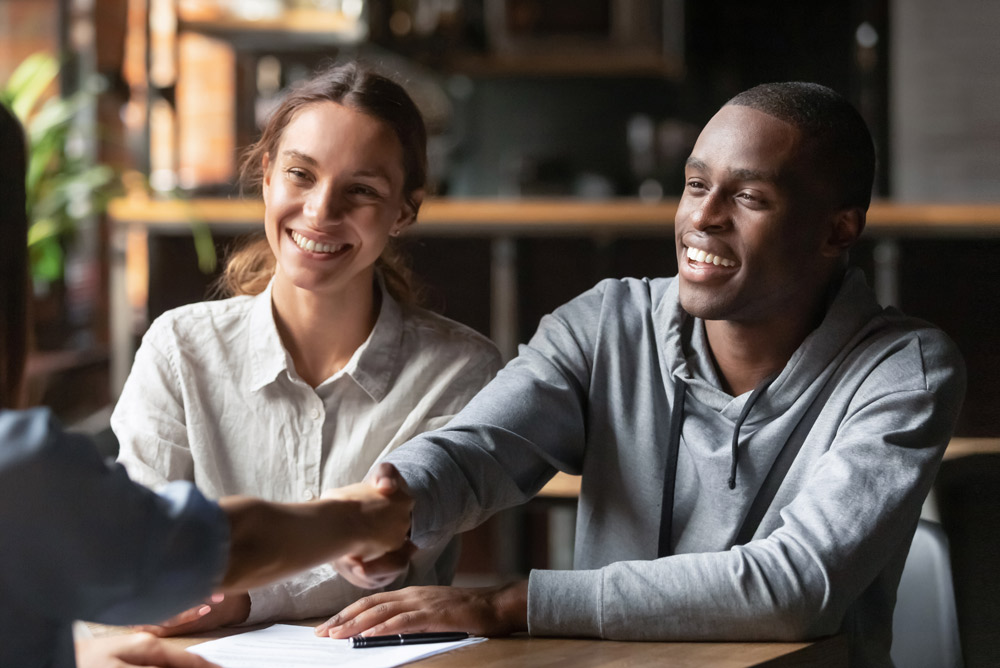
(135, 649)
(269, 541)
(375, 573)
(382, 521)
(486, 611)
(220, 610)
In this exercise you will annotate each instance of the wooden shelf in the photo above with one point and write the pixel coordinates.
(566, 64)
(546, 217)
(296, 28)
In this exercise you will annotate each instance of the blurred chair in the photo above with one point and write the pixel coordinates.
(968, 495)
(925, 624)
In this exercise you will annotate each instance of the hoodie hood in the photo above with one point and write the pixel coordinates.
(688, 360)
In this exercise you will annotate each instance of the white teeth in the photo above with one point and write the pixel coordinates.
(310, 245)
(708, 258)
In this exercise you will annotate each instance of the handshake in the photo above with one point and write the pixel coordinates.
(363, 528)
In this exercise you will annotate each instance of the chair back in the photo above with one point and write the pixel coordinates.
(925, 624)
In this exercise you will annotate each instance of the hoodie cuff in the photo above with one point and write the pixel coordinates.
(565, 603)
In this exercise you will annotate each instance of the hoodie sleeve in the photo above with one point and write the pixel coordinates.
(509, 440)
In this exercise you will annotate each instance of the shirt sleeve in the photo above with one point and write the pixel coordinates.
(82, 541)
(149, 418)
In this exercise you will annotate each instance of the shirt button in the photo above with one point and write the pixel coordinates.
(315, 414)
(308, 495)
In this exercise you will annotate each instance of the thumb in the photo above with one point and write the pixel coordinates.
(386, 479)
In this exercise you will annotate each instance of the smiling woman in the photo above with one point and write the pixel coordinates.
(319, 358)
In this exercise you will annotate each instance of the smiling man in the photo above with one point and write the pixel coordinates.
(756, 435)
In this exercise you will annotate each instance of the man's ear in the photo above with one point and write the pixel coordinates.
(846, 227)
(408, 212)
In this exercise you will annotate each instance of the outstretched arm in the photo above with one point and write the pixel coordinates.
(271, 540)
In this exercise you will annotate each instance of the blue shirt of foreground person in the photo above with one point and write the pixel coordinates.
(755, 436)
(82, 541)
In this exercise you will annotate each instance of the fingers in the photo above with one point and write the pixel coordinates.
(138, 649)
(183, 619)
(378, 572)
(219, 611)
(390, 612)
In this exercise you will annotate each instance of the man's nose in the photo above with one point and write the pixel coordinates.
(710, 213)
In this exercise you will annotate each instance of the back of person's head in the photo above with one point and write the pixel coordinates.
(843, 143)
(357, 87)
(13, 260)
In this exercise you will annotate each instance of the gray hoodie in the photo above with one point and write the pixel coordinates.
(851, 433)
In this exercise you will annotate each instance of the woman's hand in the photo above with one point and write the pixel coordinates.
(135, 649)
(485, 611)
(380, 572)
(220, 610)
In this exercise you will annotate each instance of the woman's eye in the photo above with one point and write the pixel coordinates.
(365, 191)
(297, 174)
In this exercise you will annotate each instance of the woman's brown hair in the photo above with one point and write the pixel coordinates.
(352, 85)
(13, 261)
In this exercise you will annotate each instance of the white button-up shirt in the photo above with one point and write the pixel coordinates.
(213, 397)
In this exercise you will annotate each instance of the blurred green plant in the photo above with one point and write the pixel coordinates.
(62, 186)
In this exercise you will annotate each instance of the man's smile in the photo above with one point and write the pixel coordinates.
(698, 255)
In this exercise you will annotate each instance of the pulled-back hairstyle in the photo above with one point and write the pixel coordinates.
(835, 127)
(357, 87)
(13, 260)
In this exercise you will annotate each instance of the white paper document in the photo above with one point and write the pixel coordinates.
(288, 646)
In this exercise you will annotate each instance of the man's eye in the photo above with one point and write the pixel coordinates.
(694, 184)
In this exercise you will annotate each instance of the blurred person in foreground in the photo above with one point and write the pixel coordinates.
(82, 541)
(755, 435)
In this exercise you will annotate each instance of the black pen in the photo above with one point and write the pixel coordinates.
(358, 642)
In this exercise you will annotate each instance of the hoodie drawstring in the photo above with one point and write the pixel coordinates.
(670, 471)
(751, 400)
(673, 448)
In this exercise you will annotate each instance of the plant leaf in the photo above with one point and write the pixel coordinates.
(29, 82)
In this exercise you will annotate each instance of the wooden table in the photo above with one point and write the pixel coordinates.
(526, 652)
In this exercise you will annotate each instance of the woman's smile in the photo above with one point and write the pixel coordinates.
(317, 247)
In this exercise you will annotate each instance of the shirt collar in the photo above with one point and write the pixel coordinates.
(267, 355)
(372, 366)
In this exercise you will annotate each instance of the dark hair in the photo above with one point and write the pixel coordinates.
(839, 133)
(13, 260)
(356, 86)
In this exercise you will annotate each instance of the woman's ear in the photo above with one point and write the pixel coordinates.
(408, 212)
(846, 227)
(265, 167)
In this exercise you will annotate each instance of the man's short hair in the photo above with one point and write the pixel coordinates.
(840, 134)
